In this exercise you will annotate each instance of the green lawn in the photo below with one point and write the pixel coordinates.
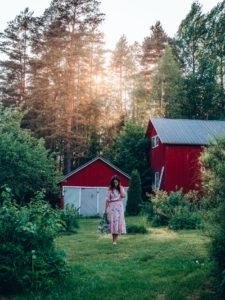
(159, 265)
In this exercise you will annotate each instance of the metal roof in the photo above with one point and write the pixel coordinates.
(90, 162)
(184, 131)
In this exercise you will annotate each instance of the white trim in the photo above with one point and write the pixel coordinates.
(155, 138)
(160, 178)
(90, 162)
(97, 200)
(79, 200)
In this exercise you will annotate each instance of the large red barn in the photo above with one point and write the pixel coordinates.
(86, 186)
(176, 146)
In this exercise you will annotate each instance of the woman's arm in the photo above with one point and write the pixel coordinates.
(122, 192)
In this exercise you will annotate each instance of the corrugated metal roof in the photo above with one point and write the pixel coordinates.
(184, 131)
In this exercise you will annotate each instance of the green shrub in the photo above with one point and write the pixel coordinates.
(69, 216)
(29, 260)
(213, 161)
(25, 164)
(134, 200)
(177, 210)
(136, 229)
(183, 219)
(147, 210)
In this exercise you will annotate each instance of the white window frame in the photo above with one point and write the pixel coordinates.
(155, 141)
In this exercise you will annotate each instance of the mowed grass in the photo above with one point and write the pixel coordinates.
(162, 264)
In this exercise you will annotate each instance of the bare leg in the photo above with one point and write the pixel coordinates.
(114, 237)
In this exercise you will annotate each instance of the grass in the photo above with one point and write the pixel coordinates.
(162, 264)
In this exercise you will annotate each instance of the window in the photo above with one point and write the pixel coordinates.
(155, 141)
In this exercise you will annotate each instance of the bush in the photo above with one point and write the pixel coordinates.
(185, 220)
(29, 260)
(69, 216)
(134, 200)
(136, 229)
(25, 164)
(213, 161)
(177, 210)
(147, 210)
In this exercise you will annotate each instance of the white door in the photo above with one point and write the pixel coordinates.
(88, 205)
(101, 199)
(71, 196)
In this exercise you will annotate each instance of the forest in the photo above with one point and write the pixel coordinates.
(85, 100)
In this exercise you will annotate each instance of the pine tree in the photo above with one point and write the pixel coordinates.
(65, 42)
(152, 49)
(168, 94)
(14, 66)
(134, 194)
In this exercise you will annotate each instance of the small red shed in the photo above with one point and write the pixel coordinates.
(85, 187)
(176, 146)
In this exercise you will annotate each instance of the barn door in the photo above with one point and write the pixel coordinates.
(101, 200)
(71, 196)
(88, 202)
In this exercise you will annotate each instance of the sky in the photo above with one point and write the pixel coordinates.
(130, 17)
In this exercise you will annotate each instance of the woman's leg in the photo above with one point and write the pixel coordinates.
(114, 237)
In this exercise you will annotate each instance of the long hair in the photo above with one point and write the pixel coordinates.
(112, 185)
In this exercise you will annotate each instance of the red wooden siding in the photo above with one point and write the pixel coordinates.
(181, 163)
(182, 168)
(96, 174)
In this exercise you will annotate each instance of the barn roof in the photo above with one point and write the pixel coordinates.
(92, 161)
(184, 131)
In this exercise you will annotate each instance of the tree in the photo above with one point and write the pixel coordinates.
(122, 67)
(134, 194)
(213, 161)
(168, 94)
(200, 46)
(66, 42)
(152, 49)
(190, 37)
(130, 150)
(25, 165)
(14, 66)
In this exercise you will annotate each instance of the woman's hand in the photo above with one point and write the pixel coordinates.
(122, 193)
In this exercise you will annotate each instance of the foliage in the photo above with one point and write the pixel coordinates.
(29, 260)
(25, 164)
(134, 194)
(103, 226)
(69, 216)
(177, 210)
(213, 160)
(199, 45)
(183, 219)
(130, 151)
(136, 229)
(168, 91)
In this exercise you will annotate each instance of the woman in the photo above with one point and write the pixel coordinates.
(114, 208)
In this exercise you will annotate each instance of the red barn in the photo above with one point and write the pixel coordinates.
(86, 186)
(176, 145)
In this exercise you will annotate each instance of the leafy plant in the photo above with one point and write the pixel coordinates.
(69, 215)
(136, 229)
(28, 258)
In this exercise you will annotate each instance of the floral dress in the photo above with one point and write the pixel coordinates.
(115, 212)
